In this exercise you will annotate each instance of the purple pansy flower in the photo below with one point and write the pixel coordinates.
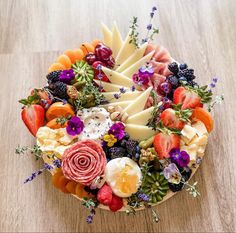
(172, 173)
(181, 158)
(66, 76)
(143, 75)
(117, 130)
(75, 126)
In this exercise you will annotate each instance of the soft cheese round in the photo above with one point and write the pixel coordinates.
(96, 121)
(124, 176)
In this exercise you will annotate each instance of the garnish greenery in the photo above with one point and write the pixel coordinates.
(203, 92)
(191, 189)
(183, 115)
(89, 203)
(62, 120)
(31, 99)
(35, 150)
(134, 34)
(218, 100)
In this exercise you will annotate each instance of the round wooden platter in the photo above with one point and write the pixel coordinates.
(168, 195)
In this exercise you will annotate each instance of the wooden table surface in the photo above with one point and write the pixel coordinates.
(33, 32)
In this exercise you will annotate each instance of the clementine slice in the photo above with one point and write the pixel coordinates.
(79, 54)
(62, 182)
(71, 54)
(55, 178)
(59, 109)
(203, 115)
(70, 186)
(87, 47)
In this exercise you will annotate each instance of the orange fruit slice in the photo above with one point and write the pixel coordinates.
(79, 190)
(204, 116)
(64, 60)
(54, 124)
(62, 182)
(56, 66)
(55, 178)
(79, 54)
(70, 186)
(87, 47)
(59, 109)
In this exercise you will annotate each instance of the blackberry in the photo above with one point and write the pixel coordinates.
(123, 143)
(131, 147)
(173, 80)
(175, 187)
(53, 76)
(117, 152)
(173, 67)
(127, 137)
(92, 191)
(183, 66)
(59, 89)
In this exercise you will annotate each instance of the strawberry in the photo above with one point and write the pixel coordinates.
(42, 96)
(186, 97)
(104, 195)
(164, 143)
(170, 119)
(33, 117)
(116, 203)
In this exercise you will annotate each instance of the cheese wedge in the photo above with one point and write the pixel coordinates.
(141, 118)
(122, 104)
(200, 128)
(139, 132)
(139, 103)
(109, 86)
(137, 55)
(188, 133)
(117, 78)
(117, 41)
(135, 67)
(107, 35)
(125, 51)
(109, 96)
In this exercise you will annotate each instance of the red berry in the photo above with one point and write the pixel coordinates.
(164, 88)
(116, 203)
(97, 63)
(90, 58)
(104, 195)
(102, 52)
(167, 103)
(110, 62)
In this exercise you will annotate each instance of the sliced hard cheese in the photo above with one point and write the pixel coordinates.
(188, 133)
(137, 55)
(122, 104)
(109, 96)
(116, 40)
(200, 128)
(139, 103)
(139, 132)
(134, 68)
(117, 78)
(109, 86)
(140, 118)
(126, 50)
(107, 35)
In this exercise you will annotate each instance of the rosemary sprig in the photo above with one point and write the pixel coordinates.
(35, 150)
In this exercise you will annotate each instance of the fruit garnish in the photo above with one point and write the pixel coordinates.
(116, 203)
(155, 186)
(188, 98)
(64, 60)
(90, 58)
(53, 76)
(57, 123)
(86, 48)
(59, 109)
(204, 116)
(33, 117)
(59, 89)
(164, 143)
(56, 66)
(104, 195)
(83, 71)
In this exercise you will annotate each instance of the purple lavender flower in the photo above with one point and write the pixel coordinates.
(89, 219)
(181, 158)
(149, 26)
(144, 197)
(116, 96)
(47, 166)
(132, 88)
(151, 15)
(57, 163)
(172, 174)
(75, 126)
(154, 8)
(117, 130)
(66, 76)
(122, 90)
(100, 76)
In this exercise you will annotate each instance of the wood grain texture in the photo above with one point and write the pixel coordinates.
(33, 32)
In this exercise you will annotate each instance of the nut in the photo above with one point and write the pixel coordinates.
(115, 116)
(72, 92)
(124, 117)
(118, 108)
(111, 109)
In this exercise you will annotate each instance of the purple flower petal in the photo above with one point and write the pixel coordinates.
(74, 126)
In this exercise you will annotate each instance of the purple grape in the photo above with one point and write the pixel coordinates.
(90, 58)
(102, 52)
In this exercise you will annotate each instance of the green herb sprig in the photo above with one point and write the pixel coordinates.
(134, 33)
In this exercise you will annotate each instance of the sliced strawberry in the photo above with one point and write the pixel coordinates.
(164, 143)
(171, 120)
(43, 97)
(33, 117)
(188, 98)
(104, 195)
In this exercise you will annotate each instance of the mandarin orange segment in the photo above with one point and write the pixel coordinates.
(95, 42)
(59, 109)
(55, 178)
(54, 124)
(79, 190)
(71, 54)
(70, 186)
(79, 54)
(87, 47)
(56, 66)
(204, 116)
(62, 182)
(64, 60)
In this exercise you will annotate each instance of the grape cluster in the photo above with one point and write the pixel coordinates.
(126, 147)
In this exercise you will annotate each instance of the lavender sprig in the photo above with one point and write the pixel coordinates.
(90, 204)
